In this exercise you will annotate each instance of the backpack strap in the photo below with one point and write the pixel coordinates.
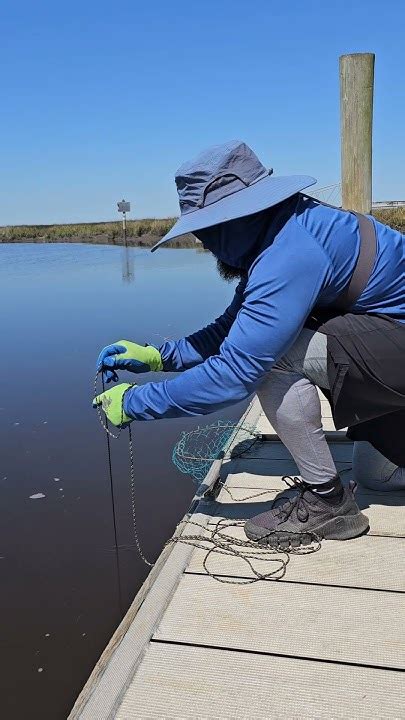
(364, 265)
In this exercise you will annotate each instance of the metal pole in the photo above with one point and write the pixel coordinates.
(356, 116)
(124, 226)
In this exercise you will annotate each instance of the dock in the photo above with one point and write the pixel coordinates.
(324, 641)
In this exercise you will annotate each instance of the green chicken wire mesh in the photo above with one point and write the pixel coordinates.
(196, 450)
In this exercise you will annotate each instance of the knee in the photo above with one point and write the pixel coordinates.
(308, 358)
(372, 470)
(286, 396)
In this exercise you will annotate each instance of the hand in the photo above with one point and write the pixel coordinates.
(112, 402)
(126, 355)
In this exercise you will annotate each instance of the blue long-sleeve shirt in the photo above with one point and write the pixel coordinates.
(307, 262)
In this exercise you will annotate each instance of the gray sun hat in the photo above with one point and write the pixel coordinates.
(227, 182)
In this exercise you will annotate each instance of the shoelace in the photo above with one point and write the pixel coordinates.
(298, 502)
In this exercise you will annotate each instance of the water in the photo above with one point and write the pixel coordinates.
(59, 584)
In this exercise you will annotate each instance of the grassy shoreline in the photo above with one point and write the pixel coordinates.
(140, 233)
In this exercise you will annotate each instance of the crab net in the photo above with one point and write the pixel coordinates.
(196, 450)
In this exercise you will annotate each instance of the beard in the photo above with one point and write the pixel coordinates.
(230, 273)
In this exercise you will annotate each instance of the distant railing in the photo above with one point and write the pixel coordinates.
(381, 204)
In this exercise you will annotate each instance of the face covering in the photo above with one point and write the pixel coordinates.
(234, 242)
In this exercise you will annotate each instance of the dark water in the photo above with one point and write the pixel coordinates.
(59, 583)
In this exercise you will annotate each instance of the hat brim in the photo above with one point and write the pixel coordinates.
(260, 196)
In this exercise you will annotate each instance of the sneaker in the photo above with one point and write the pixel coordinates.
(307, 517)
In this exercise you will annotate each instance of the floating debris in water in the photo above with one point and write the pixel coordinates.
(57, 479)
(60, 489)
(37, 496)
(16, 423)
(45, 422)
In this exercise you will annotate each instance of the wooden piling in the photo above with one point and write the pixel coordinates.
(356, 113)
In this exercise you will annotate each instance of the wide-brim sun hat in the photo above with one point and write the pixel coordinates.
(224, 183)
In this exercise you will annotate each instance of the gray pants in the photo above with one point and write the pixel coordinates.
(290, 400)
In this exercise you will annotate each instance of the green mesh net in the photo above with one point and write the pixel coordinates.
(195, 451)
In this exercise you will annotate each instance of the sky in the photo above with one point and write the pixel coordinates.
(104, 100)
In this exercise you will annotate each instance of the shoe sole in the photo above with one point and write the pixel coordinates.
(345, 527)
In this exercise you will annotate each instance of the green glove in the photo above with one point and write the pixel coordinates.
(126, 355)
(112, 402)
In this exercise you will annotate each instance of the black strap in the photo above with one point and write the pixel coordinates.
(364, 265)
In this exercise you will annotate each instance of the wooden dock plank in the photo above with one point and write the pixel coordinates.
(275, 450)
(263, 473)
(272, 479)
(325, 623)
(176, 682)
(251, 470)
(386, 514)
(325, 642)
(366, 562)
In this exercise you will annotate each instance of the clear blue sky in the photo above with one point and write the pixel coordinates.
(104, 100)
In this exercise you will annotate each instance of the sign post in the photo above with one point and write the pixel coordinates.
(124, 207)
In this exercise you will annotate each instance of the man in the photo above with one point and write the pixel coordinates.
(298, 261)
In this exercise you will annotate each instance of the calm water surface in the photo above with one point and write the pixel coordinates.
(59, 583)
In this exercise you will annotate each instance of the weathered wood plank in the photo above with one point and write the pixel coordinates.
(366, 562)
(259, 478)
(275, 450)
(250, 481)
(385, 511)
(188, 682)
(357, 626)
(247, 472)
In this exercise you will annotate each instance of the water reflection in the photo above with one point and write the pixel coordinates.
(60, 588)
(128, 272)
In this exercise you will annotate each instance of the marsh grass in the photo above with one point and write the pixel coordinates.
(139, 232)
(394, 217)
(86, 231)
